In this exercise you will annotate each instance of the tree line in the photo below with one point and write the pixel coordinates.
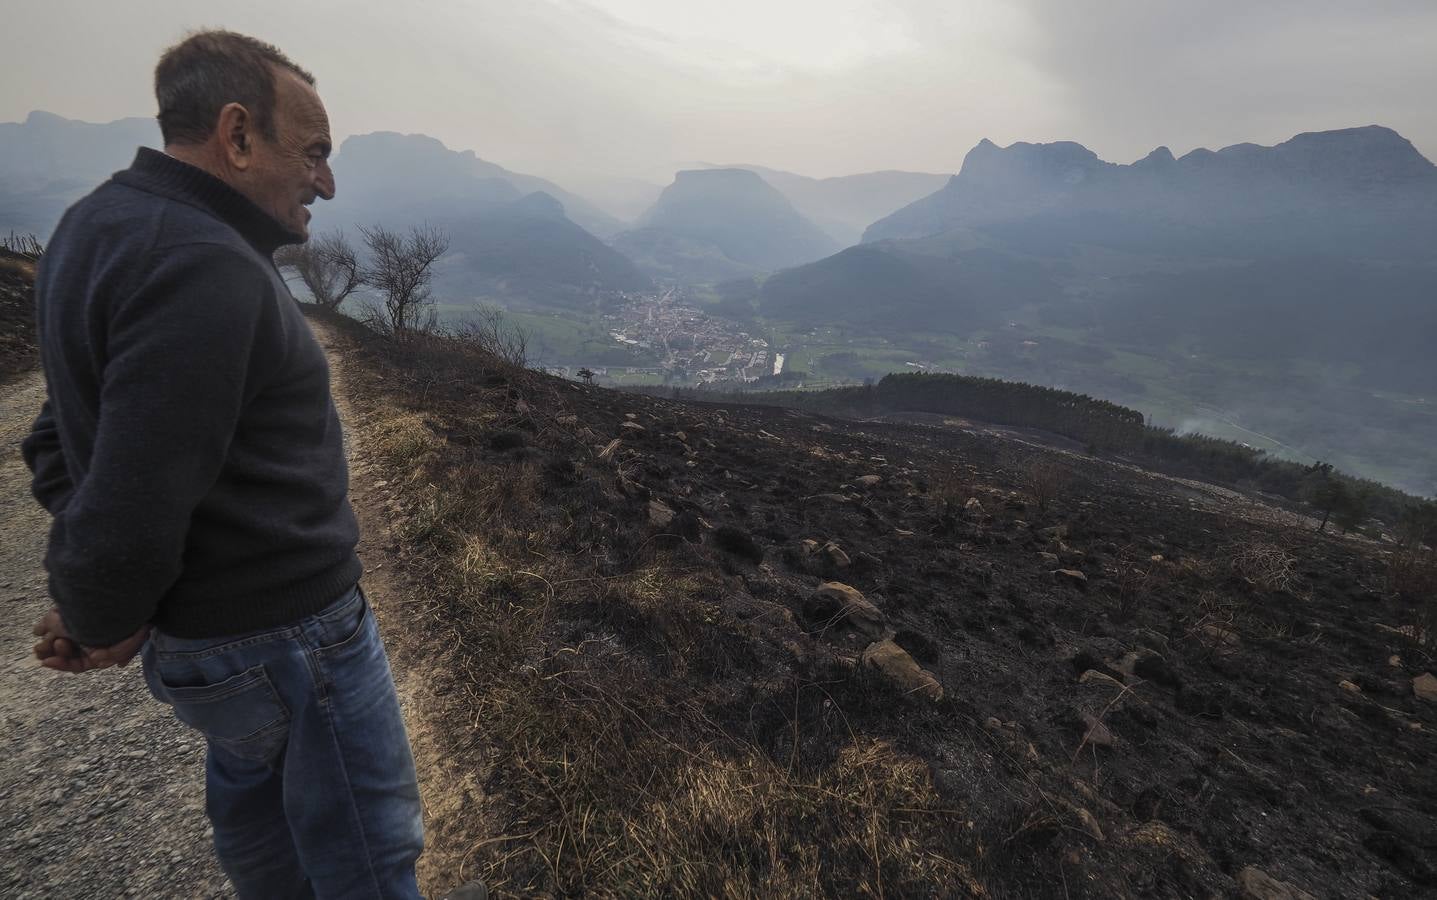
(1102, 427)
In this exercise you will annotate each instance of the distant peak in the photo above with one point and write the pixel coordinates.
(730, 175)
(1161, 156)
(538, 203)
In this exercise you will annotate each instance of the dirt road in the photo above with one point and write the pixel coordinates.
(101, 790)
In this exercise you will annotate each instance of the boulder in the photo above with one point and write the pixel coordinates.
(1255, 884)
(902, 670)
(1072, 576)
(835, 603)
(1424, 686)
(660, 514)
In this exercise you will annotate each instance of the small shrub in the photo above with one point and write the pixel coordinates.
(1044, 480)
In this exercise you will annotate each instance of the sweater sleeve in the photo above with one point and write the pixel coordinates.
(184, 352)
(46, 460)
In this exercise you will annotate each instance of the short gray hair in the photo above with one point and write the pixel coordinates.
(198, 76)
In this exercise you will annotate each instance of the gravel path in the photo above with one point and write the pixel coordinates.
(101, 790)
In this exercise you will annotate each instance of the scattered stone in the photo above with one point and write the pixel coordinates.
(1424, 686)
(1073, 577)
(1255, 884)
(836, 555)
(1090, 824)
(808, 546)
(1097, 734)
(869, 481)
(683, 438)
(631, 416)
(835, 602)
(1349, 687)
(902, 532)
(973, 507)
(632, 426)
(1049, 559)
(1222, 636)
(1394, 661)
(1156, 557)
(901, 669)
(660, 514)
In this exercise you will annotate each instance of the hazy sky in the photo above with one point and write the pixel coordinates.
(822, 87)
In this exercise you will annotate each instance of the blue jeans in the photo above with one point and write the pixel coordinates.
(309, 780)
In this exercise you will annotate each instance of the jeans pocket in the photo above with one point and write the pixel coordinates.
(242, 713)
(345, 631)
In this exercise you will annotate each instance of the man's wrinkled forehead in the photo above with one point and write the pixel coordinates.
(299, 103)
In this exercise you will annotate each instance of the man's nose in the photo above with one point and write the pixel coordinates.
(324, 180)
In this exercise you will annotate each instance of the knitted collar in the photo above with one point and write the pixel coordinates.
(159, 173)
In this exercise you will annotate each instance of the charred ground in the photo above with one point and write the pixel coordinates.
(17, 315)
(1148, 688)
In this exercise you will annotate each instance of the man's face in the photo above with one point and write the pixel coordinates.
(290, 171)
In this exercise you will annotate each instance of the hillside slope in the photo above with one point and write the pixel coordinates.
(1047, 674)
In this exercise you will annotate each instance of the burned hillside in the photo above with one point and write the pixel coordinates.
(707, 649)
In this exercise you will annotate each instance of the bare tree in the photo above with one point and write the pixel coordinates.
(400, 268)
(489, 330)
(26, 245)
(327, 265)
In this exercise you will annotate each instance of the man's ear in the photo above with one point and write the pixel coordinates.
(236, 135)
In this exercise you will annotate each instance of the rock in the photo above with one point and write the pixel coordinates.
(1073, 577)
(1222, 636)
(901, 669)
(868, 481)
(837, 603)
(973, 507)
(1394, 661)
(1424, 686)
(660, 514)
(631, 416)
(1349, 687)
(683, 438)
(1097, 733)
(1048, 559)
(836, 555)
(1156, 557)
(569, 419)
(632, 426)
(1255, 884)
(808, 546)
(1090, 824)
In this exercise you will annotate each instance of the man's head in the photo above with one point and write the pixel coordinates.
(242, 111)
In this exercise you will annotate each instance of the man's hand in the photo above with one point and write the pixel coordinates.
(57, 650)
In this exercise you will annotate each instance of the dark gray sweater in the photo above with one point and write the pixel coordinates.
(189, 448)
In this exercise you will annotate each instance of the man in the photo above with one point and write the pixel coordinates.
(190, 453)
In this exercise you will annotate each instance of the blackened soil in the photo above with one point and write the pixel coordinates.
(1148, 685)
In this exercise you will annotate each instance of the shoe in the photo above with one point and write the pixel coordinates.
(473, 890)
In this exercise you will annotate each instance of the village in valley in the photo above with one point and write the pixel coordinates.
(692, 346)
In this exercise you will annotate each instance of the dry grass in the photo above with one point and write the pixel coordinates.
(1267, 566)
